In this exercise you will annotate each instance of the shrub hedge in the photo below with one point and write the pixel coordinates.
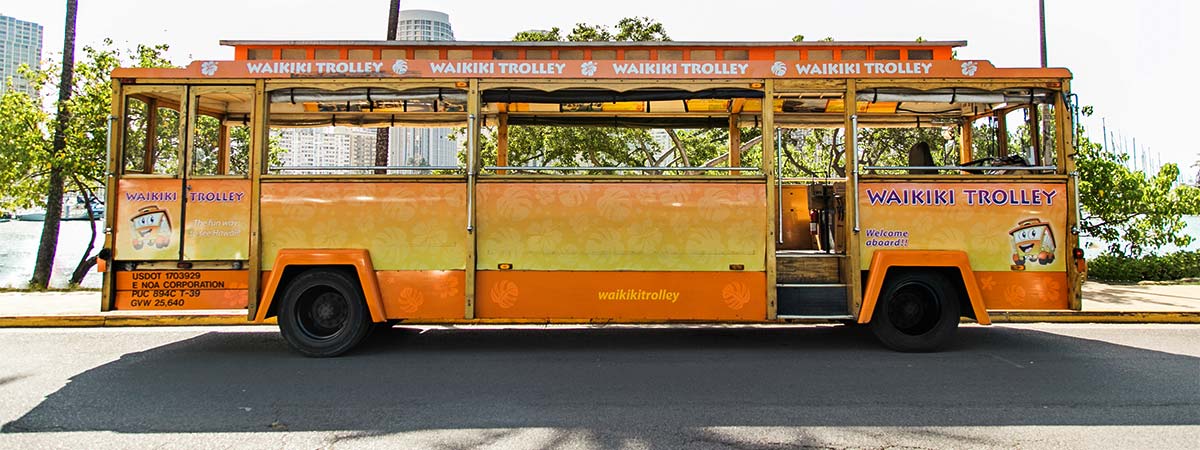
(1169, 267)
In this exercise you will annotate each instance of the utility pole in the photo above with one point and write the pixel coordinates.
(1042, 27)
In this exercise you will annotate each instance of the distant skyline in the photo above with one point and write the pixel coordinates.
(1124, 55)
(423, 146)
(20, 43)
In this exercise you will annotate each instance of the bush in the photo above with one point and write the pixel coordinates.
(1167, 267)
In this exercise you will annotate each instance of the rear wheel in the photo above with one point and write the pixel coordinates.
(916, 312)
(323, 313)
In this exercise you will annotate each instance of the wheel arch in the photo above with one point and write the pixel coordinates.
(953, 263)
(290, 262)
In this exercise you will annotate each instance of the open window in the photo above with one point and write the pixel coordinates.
(641, 131)
(956, 131)
(317, 131)
(153, 128)
(220, 131)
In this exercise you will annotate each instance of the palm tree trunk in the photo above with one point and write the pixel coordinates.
(383, 135)
(48, 245)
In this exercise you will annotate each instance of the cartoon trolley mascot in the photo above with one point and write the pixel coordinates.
(152, 228)
(1032, 241)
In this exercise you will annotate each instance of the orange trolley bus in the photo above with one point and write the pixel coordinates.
(204, 215)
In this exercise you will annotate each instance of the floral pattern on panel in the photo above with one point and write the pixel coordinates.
(626, 226)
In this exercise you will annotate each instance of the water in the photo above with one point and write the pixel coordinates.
(1094, 246)
(18, 251)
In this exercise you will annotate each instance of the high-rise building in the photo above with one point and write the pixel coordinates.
(663, 139)
(327, 146)
(423, 25)
(345, 146)
(20, 43)
(422, 146)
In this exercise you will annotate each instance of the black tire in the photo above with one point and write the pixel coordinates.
(323, 313)
(916, 312)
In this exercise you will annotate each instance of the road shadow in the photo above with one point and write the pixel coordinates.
(617, 383)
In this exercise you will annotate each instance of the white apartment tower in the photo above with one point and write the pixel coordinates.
(20, 43)
(327, 146)
(423, 25)
(423, 146)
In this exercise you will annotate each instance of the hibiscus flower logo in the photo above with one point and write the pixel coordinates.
(400, 67)
(779, 68)
(208, 68)
(588, 68)
(969, 68)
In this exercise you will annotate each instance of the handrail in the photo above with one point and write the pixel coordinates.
(1078, 206)
(112, 168)
(816, 179)
(854, 158)
(965, 168)
(779, 184)
(472, 154)
(311, 168)
(618, 169)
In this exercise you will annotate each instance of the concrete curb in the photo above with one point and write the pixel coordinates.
(181, 320)
(1095, 316)
(99, 320)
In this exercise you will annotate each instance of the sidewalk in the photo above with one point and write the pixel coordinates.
(82, 309)
(1102, 303)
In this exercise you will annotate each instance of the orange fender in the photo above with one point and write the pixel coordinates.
(885, 259)
(359, 258)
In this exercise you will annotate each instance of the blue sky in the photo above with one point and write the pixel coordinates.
(1124, 54)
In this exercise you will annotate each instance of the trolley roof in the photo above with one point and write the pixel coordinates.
(593, 60)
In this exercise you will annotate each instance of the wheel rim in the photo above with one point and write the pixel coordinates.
(322, 313)
(914, 309)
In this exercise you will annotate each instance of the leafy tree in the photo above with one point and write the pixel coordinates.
(582, 146)
(24, 146)
(606, 146)
(798, 38)
(27, 157)
(554, 34)
(640, 29)
(1135, 212)
(589, 33)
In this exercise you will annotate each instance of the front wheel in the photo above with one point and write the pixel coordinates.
(323, 313)
(916, 312)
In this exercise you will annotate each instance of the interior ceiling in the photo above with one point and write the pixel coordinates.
(642, 108)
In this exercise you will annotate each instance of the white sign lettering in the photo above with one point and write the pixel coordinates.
(535, 68)
(855, 68)
(645, 68)
(462, 67)
(320, 67)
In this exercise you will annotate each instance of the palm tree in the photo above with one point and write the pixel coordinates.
(54, 197)
(382, 135)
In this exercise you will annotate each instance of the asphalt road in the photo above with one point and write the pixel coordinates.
(1043, 386)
